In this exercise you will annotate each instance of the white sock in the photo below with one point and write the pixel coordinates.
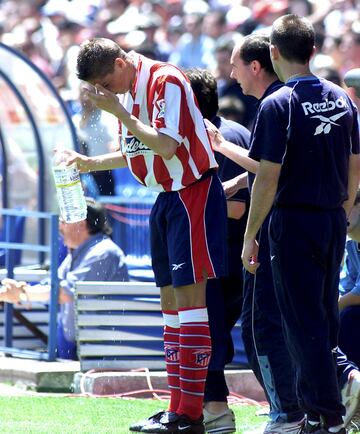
(313, 422)
(336, 428)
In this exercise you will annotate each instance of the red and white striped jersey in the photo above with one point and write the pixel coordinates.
(162, 98)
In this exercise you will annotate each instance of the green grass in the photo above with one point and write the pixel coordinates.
(53, 415)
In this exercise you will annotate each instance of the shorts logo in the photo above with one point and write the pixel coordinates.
(160, 104)
(176, 267)
(202, 358)
(326, 123)
(172, 353)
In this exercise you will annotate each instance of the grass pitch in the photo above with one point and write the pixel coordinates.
(80, 415)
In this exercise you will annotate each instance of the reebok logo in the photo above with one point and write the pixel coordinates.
(176, 267)
(326, 123)
(324, 106)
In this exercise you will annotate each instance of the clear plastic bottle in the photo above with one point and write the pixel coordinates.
(69, 191)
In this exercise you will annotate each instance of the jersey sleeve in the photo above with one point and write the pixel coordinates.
(168, 106)
(269, 137)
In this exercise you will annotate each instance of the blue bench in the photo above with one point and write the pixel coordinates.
(119, 325)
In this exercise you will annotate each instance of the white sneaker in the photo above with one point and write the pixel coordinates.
(350, 395)
(280, 428)
(219, 423)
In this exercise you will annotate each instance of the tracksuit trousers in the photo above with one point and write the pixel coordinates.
(264, 341)
(265, 344)
(306, 249)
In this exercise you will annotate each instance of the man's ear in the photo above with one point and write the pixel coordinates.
(255, 67)
(120, 62)
(274, 52)
(314, 50)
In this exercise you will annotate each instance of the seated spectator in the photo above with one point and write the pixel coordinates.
(349, 301)
(92, 255)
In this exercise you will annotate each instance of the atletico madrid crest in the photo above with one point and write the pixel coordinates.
(172, 353)
(202, 358)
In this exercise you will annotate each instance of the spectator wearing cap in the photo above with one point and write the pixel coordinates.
(264, 13)
(173, 32)
(150, 25)
(215, 24)
(350, 47)
(194, 48)
(92, 256)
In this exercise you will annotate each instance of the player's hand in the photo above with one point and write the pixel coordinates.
(11, 290)
(103, 99)
(249, 255)
(230, 187)
(216, 137)
(82, 161)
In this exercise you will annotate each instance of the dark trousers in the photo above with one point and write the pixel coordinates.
(224, 301)
(224, 298)
(264, 341)
(306, 248)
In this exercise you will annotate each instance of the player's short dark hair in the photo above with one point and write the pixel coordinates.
(96, 218)
(96, 58)
(204, 86)
(294, 37)
(257, 47)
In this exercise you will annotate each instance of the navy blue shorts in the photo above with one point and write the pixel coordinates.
(188, 233)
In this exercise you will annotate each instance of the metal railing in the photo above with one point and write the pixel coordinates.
(10, 246)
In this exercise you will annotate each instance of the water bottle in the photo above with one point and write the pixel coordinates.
(69, 191)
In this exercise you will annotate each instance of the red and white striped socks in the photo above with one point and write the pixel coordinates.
(195, 352)
(172, 355)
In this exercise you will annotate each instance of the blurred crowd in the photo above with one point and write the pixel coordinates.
(188, 33)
